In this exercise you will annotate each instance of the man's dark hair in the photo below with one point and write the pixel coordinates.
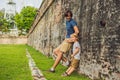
(68, 11)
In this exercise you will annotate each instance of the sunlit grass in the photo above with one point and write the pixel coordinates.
(45, 63)
(14, 63)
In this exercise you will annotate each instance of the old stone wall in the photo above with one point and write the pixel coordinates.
(99, 25)
(13, 40)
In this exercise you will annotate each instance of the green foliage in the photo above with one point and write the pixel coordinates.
(4, 24)
(1, 15)
(18, 20)
(25, 18)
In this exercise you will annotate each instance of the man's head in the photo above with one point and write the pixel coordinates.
(68, 15)
(74, 37)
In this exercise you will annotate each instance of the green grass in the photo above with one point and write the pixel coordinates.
(44, 63)
(14, 63)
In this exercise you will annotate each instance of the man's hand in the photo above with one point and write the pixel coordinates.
(72, 56)
(76, 30)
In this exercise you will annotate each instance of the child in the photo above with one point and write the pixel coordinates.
(75, 55)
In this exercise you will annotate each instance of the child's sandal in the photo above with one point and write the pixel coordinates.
(65, 74)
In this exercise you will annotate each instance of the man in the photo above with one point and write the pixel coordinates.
(71, 27)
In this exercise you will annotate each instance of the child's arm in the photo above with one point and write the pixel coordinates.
(75, 51)
(69, 40)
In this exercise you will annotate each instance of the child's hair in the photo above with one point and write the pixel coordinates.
(75, 35)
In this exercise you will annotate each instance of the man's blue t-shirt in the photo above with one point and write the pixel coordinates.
(70, 27)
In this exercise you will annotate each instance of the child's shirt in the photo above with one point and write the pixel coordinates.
(77, 45)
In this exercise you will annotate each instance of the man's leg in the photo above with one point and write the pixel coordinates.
(59, 56)
(64, 59)
(56, 50)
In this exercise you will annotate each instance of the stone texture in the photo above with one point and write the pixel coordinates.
(13, 40)
(99, 25)
(36, 73)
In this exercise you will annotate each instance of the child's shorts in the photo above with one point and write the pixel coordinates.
(74, 63)
(64, 46)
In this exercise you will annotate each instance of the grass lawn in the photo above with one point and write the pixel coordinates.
(14, 63)
(44, 63)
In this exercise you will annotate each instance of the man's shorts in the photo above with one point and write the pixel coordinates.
(64, 46)
(74, 63)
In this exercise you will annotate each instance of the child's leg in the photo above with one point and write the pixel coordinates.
(74, 65)
(66, 72)
(70, 71)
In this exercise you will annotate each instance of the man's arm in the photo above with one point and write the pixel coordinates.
(76, 30)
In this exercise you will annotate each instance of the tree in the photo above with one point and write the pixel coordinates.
(4, 24)
(25, 18)
(1, 19)
(1, 14)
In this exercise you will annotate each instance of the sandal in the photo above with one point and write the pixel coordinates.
(65, 74)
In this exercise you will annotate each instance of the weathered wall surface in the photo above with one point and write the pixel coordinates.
(99, 24)
(13, 40)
